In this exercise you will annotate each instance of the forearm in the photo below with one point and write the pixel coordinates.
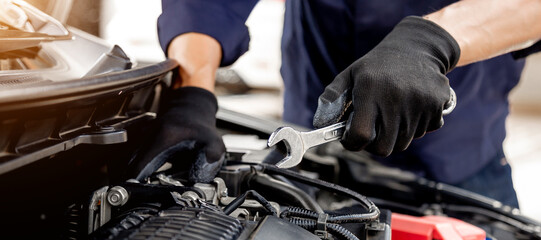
(488, 28)
(202, 35)
(199, 57)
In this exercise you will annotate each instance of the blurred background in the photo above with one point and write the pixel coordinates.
(253, 84)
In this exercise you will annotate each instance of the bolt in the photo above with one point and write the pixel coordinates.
(515, 211)
(117, 196)
(106, 129)
(223, 193)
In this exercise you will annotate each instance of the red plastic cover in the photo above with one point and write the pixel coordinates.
(406, 227)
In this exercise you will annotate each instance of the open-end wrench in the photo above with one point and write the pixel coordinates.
(297, 143)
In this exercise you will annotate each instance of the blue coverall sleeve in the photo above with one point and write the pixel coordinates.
(527, 51)
(221, 19)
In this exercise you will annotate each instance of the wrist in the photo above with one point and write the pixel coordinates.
(198, 56)
(202, 78)
(428, 36)
(446, 19)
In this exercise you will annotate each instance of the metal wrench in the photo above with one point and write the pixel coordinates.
(297, 143)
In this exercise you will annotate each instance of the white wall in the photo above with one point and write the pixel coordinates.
(528, 91)
(131, 24)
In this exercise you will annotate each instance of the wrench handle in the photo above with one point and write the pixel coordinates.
(323, 135)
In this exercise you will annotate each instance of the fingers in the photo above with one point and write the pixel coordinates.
(436, 120)
(406, 133)
(173, 152)
(360, 129)
(384, 142)
(429, 122)
(334, 101)
(379, 133)
(422, 125)
(393, 133)
(204, 171)
(215, 150)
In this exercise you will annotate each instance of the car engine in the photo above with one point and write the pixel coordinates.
(246, 201)
(321, 199)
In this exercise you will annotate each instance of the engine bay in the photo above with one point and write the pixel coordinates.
(333, 194)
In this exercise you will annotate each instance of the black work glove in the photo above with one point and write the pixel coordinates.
(398, 90)
(186, 135)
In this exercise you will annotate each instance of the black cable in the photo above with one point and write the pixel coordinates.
(287, 193)
(307, 224)
(348, 218)
(371, 215)
(341, 231)
(298, 212)
(521, 225)
(305, 213)
(337, 230)
(301, 215)
(240, 199)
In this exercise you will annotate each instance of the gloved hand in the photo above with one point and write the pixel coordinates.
(186, 136)
(398, 90)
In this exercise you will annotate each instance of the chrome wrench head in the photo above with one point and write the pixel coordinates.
(293, 143)
(297, 143)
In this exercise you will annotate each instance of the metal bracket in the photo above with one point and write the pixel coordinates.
(213, 191)
(99, 210)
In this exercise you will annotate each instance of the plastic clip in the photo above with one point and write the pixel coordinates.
(321, 227)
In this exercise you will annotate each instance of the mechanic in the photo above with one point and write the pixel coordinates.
(393, 66)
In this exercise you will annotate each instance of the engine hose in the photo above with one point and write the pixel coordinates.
(237, 202)
(336, 229)
(307, 224)
(283, 190)
(348, 218)
(371, 215)
(299, 212)
(305, 213)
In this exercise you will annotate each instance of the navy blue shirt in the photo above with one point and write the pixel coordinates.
(322, 37)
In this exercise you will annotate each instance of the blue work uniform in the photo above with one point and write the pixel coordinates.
(322, 37)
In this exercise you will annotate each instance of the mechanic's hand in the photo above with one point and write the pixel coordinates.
(398, 90)
(187, 135)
